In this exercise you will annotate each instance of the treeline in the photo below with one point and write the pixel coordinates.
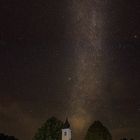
(6, 137)
(51, 130)
(126, 139)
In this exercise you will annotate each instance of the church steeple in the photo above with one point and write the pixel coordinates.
(66, 124)
(66, 131)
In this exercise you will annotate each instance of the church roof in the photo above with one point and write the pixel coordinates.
(66, 124)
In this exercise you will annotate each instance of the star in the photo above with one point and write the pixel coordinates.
(69, 78)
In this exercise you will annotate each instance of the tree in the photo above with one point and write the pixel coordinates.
(50, 130)
(124, 139)
(98, 132)
(6, 137)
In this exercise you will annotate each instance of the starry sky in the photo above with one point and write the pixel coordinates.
(78, 58)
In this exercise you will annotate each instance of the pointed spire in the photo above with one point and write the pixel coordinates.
(66, 124)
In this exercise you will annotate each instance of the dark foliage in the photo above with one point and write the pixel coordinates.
(6, 137)
(126, 139)
(50, 130)
(98, 132)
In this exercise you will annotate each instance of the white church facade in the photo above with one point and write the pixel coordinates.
(66, 131)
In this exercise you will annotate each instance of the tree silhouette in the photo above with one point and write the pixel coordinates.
(6, 137)
(50, 130)
(98, 132)
(124, 139)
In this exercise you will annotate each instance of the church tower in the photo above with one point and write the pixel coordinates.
(66, 131)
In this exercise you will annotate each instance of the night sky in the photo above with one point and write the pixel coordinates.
(75, 58)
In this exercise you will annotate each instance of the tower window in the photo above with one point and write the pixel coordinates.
(65, 133)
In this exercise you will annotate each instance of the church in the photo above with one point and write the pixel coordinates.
(66, 131)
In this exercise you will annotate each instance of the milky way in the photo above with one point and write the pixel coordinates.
(86, 33)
